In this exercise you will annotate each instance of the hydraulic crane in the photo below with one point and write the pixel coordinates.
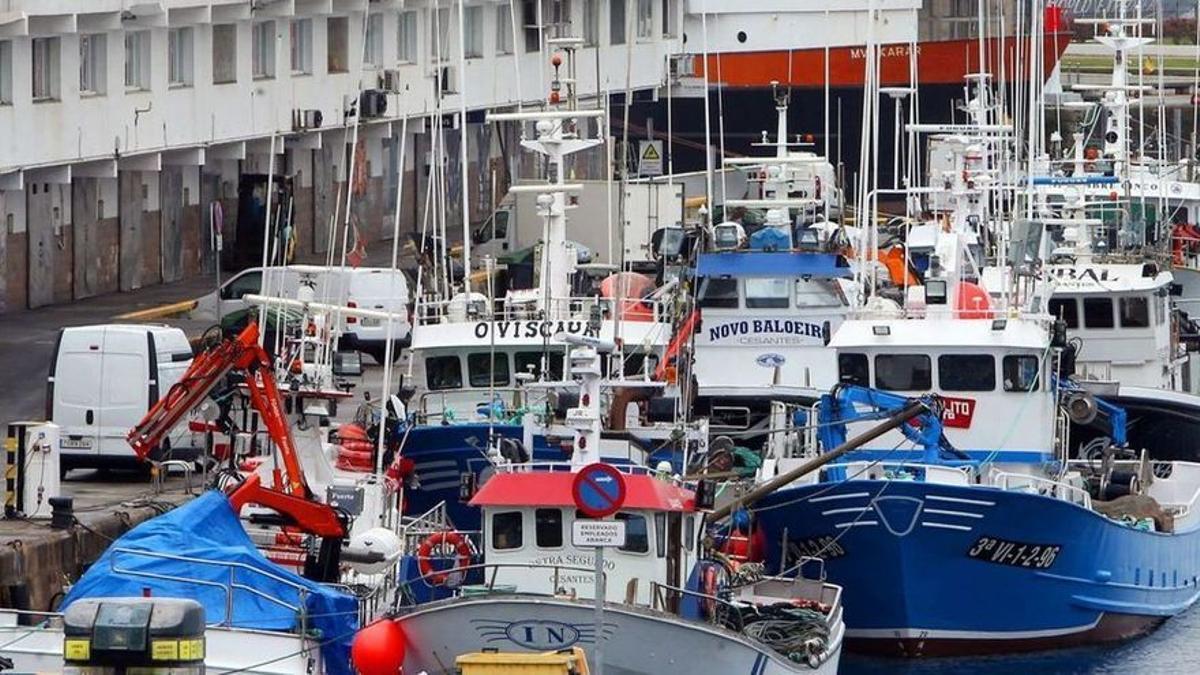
(290, 497)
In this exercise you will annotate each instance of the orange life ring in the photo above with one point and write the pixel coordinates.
(425, 560)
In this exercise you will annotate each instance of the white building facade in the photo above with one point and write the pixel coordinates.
(122, 121)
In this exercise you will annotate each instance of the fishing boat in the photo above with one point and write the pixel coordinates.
(482, 358)
(980, 493)
(772, 286)
(537, 589)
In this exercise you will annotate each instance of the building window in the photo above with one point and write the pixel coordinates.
(443, 372)
(645, 19)
(637, 533)
(670, 28)
(262, 45)
(548, 528)
(903, 372)
(504, 30)
(224, 52)
(616, 22)
(1098, 313)
(1020, 373)
(488, 370)
(337, 38)
(93, 64)
(5, 72)
(137, 60)
(373, 50)
(473, 32)
(406, 38)
(1135, 312)
(967, 372)
(439, 34)
(719, 293)
(530, 23)
(1065, 309)
(302, 47)
(591, 23)
(507, 531)
(45, 69)
(179, 57)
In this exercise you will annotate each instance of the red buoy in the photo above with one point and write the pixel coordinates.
(378, 649)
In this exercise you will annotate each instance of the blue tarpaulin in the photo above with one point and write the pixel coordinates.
(206, 529)
(741, 264)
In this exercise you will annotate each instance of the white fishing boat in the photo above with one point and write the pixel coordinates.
(537, 589)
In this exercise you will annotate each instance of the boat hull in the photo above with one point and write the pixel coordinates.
(933, 570)
(636, 641)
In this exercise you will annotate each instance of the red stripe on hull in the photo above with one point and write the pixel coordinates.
(946, 62)
(1111, 628)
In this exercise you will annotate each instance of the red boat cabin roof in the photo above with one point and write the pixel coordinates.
(553, 488)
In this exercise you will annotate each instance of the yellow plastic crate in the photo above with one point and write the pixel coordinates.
(566, 662)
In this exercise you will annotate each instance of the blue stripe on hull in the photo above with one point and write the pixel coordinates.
(901, 554)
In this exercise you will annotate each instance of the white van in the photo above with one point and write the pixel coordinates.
(281, 281)
(103, 379)
(383, 289)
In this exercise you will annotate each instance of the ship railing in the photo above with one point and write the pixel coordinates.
(564, 467)
(228, 587)
(1023, 482)
(559, 309)
(719, 611)
(491, 574)
(434, 404)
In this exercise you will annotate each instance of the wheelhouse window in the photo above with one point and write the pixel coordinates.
(488, 369)
(967, 372)
(1097, 313)
(1020, 373)
(507, 531)
(1066, 309)
(1160, 310)
(531, 362)
(443, 372)
(903, 372)
(854, 369)
(719, 293)
(473, 31)
(591, 23)
(637, 533)
(645, 19)
(814, 293)
(548, 528)
(1135, 311)
(767, 294)
(6, 75)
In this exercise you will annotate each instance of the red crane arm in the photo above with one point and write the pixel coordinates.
(207, 372)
